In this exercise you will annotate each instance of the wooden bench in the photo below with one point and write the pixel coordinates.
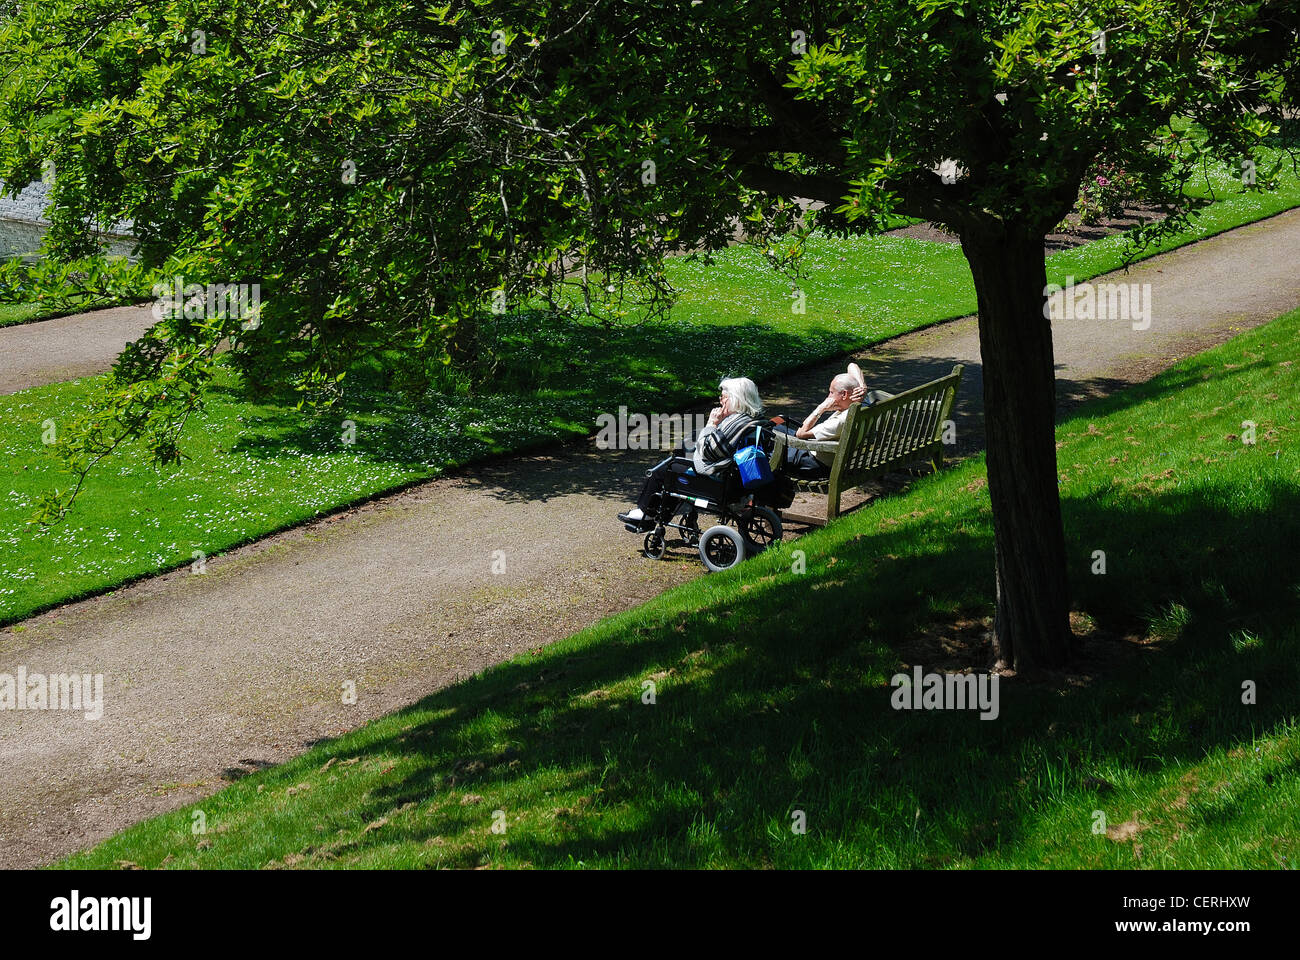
(895, 432)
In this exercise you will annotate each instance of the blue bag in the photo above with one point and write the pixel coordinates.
(755, 471)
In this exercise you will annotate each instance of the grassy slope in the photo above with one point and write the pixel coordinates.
(772, 689)
(258, 468)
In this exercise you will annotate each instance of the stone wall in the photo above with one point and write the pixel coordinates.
(19, 237)
(28, 205)
(23, 224)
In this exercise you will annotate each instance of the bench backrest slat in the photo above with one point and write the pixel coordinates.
(906, 426)
(906, 423)
(925, 414)
(892, 433)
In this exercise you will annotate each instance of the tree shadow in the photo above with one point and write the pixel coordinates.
(540, 444)
(651, 368)
(527, 459)
(772, 698)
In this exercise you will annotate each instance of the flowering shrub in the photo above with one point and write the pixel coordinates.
(1106, 191)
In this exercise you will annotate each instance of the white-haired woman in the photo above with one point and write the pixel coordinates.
(730, 427)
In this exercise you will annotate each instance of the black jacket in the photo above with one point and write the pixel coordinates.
(719, 444)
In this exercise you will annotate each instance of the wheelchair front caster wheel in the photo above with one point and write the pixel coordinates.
(721, 548)
(654, 547)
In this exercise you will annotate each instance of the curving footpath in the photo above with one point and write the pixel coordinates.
(47, 351)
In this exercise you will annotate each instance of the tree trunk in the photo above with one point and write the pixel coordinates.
(1031, 628)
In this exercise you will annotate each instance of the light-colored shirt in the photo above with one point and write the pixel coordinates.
(829, 429)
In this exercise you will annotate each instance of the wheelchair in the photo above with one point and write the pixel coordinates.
(745, 522)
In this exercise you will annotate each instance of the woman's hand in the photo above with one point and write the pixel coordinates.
(715, 416)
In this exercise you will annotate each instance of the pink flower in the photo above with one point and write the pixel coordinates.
(1103, 182)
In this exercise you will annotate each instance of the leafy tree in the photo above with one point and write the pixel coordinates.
(382, 167)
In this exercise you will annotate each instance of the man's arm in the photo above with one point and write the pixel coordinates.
(805, 431)
(861, 390)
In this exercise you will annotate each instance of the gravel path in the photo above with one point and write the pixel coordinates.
(47, 351)
(209, 677)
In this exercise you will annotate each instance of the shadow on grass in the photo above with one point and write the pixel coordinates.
(441, 432)
(774, 698)
(536, 396)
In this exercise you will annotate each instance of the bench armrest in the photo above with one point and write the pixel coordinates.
(825, 446)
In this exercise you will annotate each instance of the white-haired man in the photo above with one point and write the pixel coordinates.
(845, 390)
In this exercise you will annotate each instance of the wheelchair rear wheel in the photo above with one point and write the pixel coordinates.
(761, 527)
(691, 521)
(721, 548)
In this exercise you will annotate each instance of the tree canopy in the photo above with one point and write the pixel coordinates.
(389, 171)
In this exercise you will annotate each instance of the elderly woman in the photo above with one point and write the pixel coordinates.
(731, 426)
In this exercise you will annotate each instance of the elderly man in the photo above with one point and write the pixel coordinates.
(845, 390)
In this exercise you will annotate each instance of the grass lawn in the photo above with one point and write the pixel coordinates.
(772, 689)
(14, 313)
(258, 468)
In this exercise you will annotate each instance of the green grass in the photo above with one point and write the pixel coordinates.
(257, 468)
(15, 313)
(773, 689)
